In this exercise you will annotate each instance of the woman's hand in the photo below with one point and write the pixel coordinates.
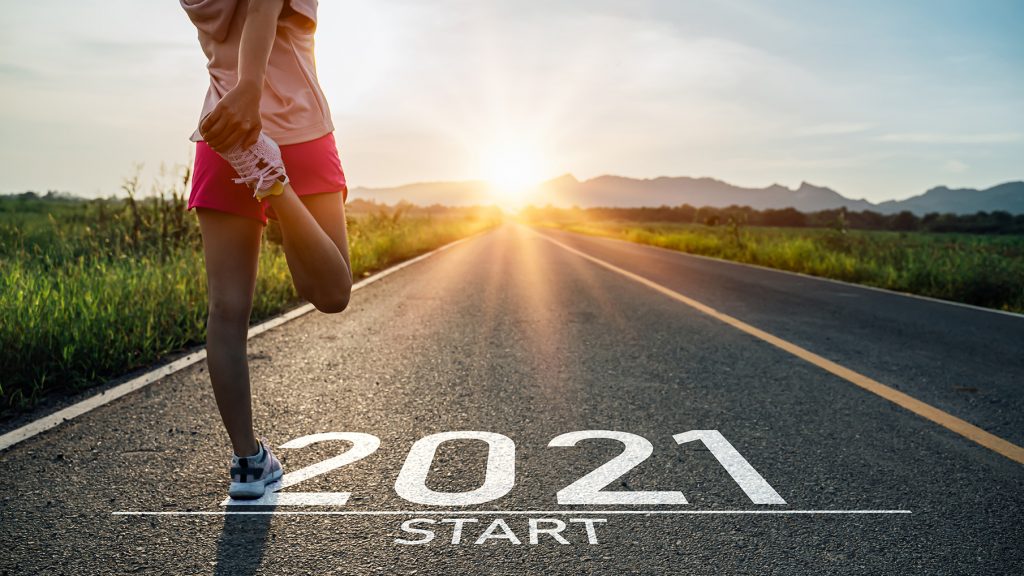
(235, 121)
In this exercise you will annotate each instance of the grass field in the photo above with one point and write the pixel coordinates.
(974, 269)
(91, 290)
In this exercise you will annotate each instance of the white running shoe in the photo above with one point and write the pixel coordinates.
(259, 167)
(250, 475)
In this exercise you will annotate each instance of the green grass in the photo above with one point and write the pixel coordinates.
(974, 269)
(91, 290)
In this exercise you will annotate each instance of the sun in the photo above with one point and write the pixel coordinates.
(511, 172)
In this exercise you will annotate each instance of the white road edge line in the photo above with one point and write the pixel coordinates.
(500, 512)
(802, 275)
(107, 396)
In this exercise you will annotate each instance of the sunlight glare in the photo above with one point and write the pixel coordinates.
(511, 173)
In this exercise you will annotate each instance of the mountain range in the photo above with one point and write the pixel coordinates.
(672, 191)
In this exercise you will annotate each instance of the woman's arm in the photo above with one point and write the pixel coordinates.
(236, 118)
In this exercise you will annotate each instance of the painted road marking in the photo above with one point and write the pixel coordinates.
(107, 396)
(362, 446)
(495, 512)
(940, 417)
(500, 473)
(496, 530)
(974, 307)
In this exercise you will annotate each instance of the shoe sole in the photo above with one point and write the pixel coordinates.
(274, 477)
(276, 190)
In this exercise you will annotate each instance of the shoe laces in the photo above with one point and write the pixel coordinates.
(254, 168)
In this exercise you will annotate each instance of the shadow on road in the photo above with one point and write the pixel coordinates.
(242, 541)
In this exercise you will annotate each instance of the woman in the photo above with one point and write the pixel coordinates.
(263, 93)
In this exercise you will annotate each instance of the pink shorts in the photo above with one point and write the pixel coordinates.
(313, 168)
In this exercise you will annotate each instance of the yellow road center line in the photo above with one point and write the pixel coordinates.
(940, 417)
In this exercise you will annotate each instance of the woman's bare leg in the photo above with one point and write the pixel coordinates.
(316, 247)
(231, 246)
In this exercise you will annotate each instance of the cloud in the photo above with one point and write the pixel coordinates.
(938, 138)
(955, 167)
(834, 129)
(17, 72)
(132, 48)
(796, 163)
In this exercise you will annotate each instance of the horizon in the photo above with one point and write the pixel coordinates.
(876, 102)
(483, 182)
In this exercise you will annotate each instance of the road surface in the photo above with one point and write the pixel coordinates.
(679, 444)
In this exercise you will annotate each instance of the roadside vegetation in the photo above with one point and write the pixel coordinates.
(840, 219)
(92, 289)
(980, 269)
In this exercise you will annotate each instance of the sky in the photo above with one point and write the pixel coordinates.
(875, 99)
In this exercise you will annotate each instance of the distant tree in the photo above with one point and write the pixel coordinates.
(822, 218)
(1000, 222)
(867, 220)
(840, 225)
(1002, 218)
(930, 218)
(686, 213)
(784, 217)
(905, 221)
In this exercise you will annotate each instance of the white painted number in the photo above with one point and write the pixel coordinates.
(499, 477)
(587, 490)
(362, 446)
(500, 474)
(756, 488)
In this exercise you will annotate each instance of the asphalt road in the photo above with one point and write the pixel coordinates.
(513, 335)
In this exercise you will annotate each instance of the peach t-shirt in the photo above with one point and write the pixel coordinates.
(293, 108)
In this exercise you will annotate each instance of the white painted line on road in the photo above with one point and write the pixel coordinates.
(502, 512)
(107, 396)
(925, 410)
(91, 403)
